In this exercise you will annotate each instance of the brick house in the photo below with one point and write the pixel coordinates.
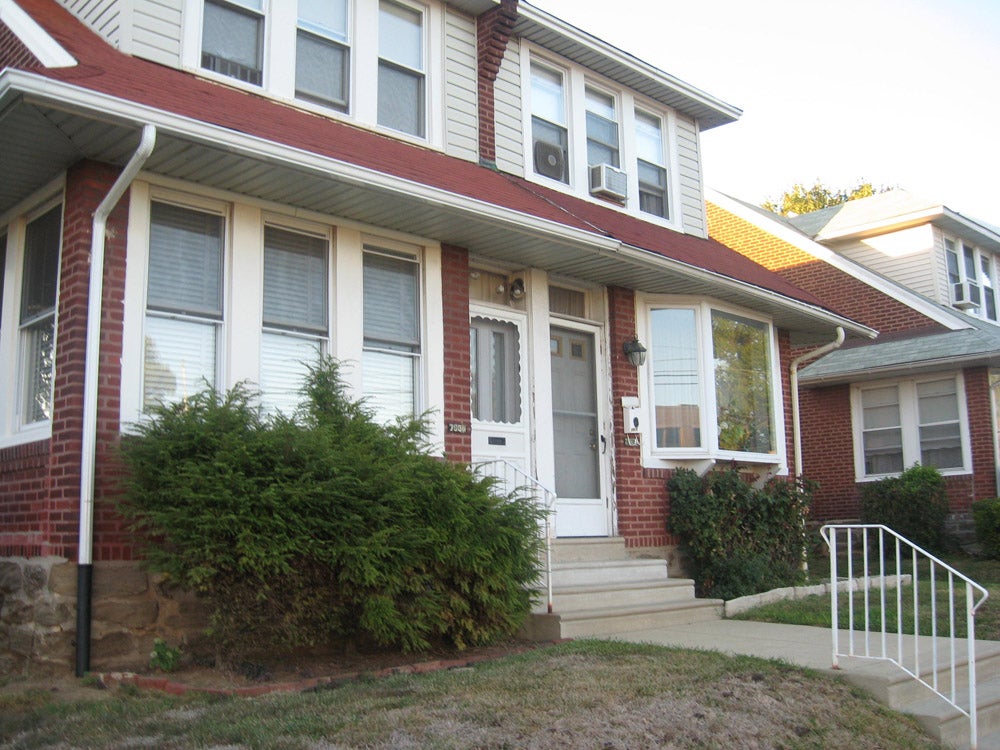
(472, 204)
(924, 391)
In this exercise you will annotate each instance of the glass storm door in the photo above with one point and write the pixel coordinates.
(498, 375)
(581, 509)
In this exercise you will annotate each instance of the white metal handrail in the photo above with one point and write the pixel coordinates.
(512, 478)
(942, 679)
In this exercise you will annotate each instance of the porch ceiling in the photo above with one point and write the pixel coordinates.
(42, 136)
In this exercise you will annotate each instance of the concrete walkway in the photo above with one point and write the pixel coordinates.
(796, 644)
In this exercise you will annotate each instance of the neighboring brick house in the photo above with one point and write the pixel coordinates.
(416, 177)
(924, 390)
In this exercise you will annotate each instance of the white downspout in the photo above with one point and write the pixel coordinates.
(793, 384)
(88, 449)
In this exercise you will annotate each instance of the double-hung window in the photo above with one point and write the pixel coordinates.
(971, 279)
(391, 358)
(323, 53)
(232, 40)
(901, 423)
(602, 129)
(712, 382)
(295, 324)
(651, 165)
(37, 323)
(401, 69)
(183, 302)
(549, 128)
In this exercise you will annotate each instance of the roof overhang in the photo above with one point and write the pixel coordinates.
(564, 39)
(47, 125)
(940, 216)
(901, 369)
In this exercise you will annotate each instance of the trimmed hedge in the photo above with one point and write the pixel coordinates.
(914, 504)
(739, 539)
(325, 526)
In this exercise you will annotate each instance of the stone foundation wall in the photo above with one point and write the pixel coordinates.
(130, 608)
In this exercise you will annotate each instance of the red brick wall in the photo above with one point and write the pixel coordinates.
(40, 482)
(493, 29)
(13, 54)
(641, 494)
(457, 389)
(841, 292)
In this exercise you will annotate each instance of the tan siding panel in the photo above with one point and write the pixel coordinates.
(102, 16)
(462, 129)
(689, 168)
(507, 96)
(914, 268)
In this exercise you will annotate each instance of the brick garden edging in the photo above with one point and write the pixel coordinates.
(173, 687)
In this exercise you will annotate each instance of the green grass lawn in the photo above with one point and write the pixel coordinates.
(815, 610)
(584, 694)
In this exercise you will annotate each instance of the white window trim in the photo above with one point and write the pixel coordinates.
(278, 77)
(654, 457)
(239, 358)
(575, 80)
(909, 423)
(958, 244)
(12, 429)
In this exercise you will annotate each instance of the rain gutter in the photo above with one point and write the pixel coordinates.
(91, 386)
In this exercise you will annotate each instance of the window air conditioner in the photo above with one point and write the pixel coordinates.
(550, 160)
(965, 295)
(608, 181)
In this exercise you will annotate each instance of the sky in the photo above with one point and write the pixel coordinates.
(899, 93)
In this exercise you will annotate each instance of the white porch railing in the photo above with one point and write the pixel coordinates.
(511, 478)
(938, 670)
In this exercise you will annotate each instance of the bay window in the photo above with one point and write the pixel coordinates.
(295, 319)
(901, 423)
(390, 363)
(712, 383)
(183, 303)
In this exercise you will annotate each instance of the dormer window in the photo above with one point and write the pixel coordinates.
(323, 54)
(549, 131)
(971, 279)
(233, 39)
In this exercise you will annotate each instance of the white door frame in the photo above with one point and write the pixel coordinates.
(605, 424)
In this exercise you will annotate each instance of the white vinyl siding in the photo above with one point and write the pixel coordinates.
(508, 113)
(691, 192)
(157, 31)
(461, 87)
(104, 17)
(908, 257)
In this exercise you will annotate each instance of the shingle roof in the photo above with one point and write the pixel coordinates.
(103, 69)
(977, 345)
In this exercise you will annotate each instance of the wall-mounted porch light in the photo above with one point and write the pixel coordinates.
(635, 352)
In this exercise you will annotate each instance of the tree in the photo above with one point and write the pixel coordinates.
(802, 200)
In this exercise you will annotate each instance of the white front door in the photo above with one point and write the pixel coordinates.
(499, 381)
(580, 447)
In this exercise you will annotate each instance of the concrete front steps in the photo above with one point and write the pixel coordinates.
(598, 590)
(939, 719)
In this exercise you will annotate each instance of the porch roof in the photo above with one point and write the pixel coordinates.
(229, 139)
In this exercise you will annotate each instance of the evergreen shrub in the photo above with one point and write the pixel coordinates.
(914, 505)
(739, 539)
(326, 525)
(986, 515)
